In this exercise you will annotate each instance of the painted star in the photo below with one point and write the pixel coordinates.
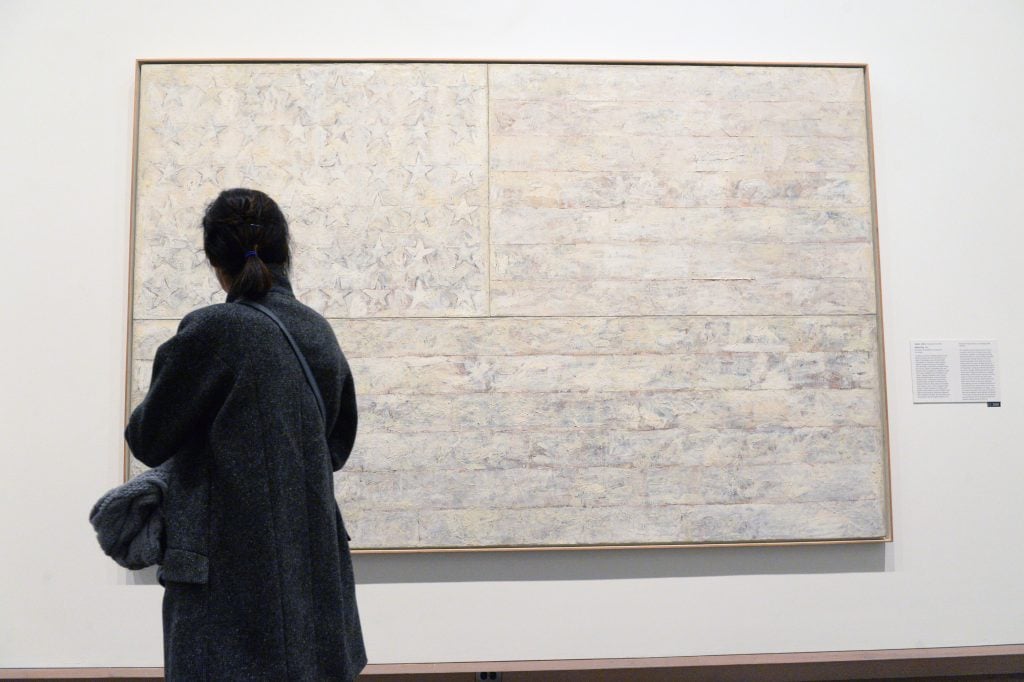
(166, 213)
(464, 254)
(173, 96)
(312, 79)
(419, 294)
(376, 211)
(249, 172)
(463, 210)
(379, 173)
(418, 92)
(334, 297)
(209, 97)
(463, 171)
(463, 91)
(418, 215)
(252, 93)
(458, 133)
(419, 170)
(168, 170)
(375, 276)
(464, 296)
(198, 257)
(378, 131)
(378, 297)
(419, 131)
(338, 129)
(376, 90)
(163, 296)
(209, 174)
(419, 252)
(473, 132)
(307, 114)
(282, 98)
(162, 257)
(168, 129)
(213, 133)
(250, 130)
(357, 305)
(378, 250)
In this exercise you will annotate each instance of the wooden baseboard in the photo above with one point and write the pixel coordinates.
(934, 663)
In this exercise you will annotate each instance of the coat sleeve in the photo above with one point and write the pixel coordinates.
(189, 384)
(343, 435)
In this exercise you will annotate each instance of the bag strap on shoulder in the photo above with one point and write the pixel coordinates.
(310, 379)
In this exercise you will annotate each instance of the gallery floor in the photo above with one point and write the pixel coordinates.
(977, 664)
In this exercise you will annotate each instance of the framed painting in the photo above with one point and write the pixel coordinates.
(586, 304)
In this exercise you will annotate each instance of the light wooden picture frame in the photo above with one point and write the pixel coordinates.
(587, 304)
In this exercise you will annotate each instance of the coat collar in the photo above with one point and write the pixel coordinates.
(281, 285)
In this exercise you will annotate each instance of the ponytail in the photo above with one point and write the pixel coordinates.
(255, 278)
(243, 231)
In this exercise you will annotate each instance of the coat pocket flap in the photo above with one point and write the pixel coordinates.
(183, 566)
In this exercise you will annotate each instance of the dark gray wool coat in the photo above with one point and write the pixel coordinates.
(257, 570)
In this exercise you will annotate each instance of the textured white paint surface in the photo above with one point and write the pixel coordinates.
(584, 304)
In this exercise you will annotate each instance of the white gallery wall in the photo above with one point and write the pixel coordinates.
(948, 112)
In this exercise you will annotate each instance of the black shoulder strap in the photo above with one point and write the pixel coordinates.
(298, 353)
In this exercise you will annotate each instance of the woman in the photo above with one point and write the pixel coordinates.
(257, 570)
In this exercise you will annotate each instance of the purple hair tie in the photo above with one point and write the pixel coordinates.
(250, 253)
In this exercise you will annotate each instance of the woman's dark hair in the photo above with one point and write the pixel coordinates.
(241, 220)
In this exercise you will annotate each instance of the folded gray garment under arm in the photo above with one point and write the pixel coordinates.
(129, 520)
